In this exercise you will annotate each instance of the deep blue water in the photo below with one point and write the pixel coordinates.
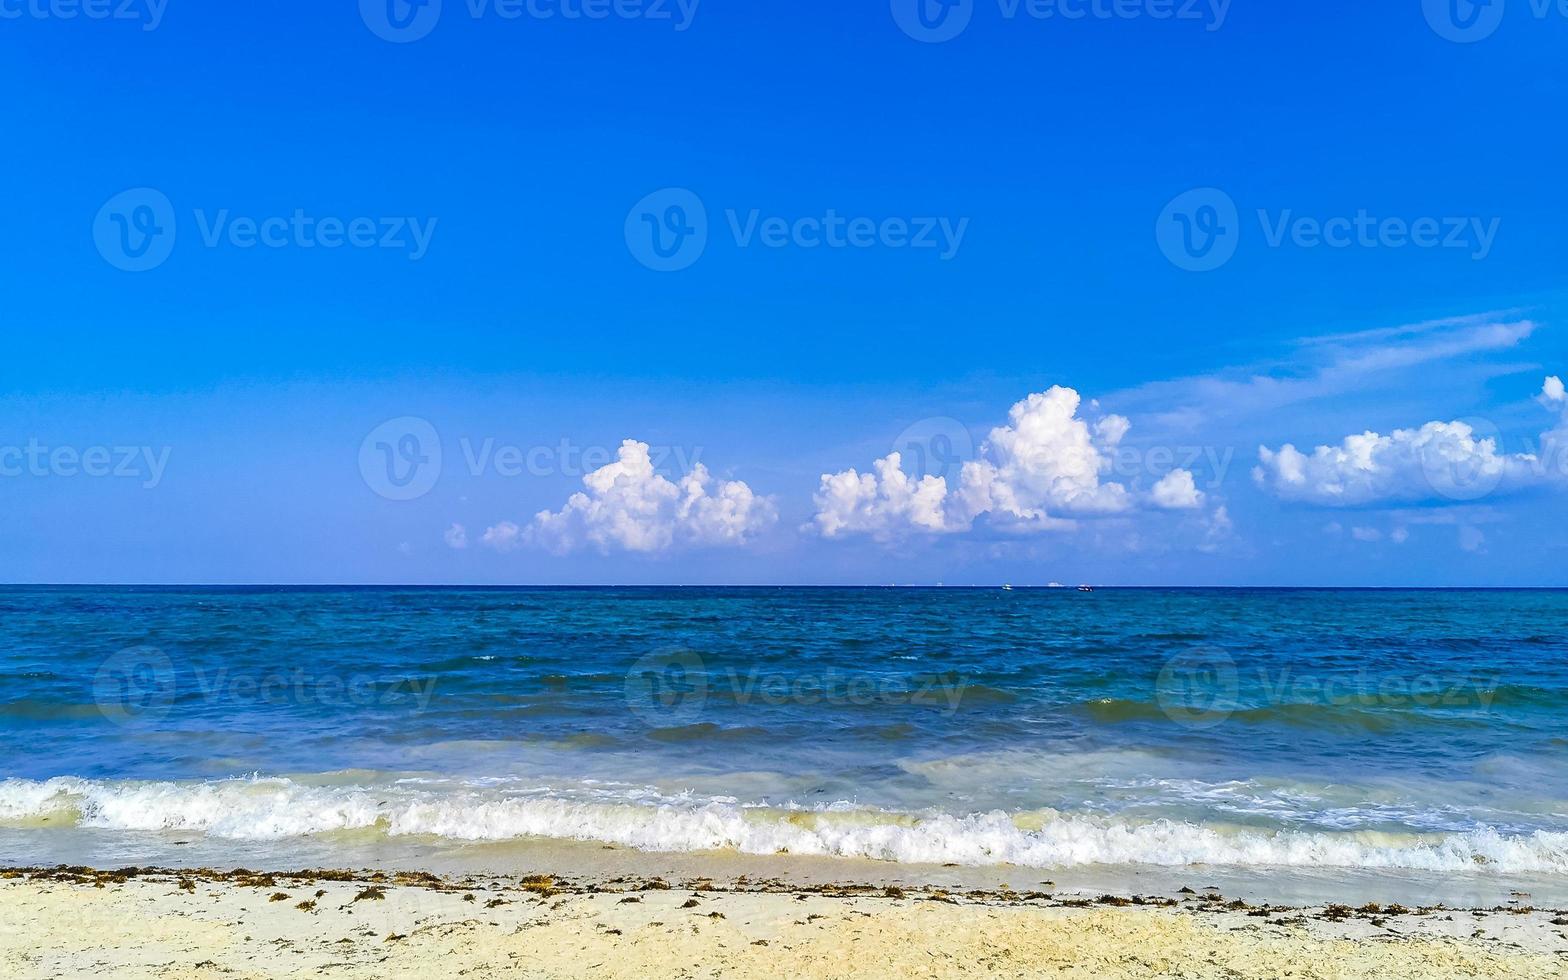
(1419, 729)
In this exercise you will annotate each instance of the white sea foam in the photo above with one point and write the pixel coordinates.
(277, 808)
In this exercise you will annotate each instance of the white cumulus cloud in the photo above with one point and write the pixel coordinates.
(1438, 461)
(627, 506)
(504, 536)
(1038, 471)
(456, 537)
(1176, 490)
(882, 502)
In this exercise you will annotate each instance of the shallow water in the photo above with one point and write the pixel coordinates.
(1371, 732)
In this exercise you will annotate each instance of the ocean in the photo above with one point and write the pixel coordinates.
(1413, 733)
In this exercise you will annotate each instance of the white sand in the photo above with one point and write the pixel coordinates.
(176, 925)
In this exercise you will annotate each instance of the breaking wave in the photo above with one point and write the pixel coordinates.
(268, 808)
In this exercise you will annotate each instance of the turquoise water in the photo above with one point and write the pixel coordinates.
(1395, 730)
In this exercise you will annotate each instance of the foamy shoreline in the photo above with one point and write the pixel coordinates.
(199, 923)
(281, 809)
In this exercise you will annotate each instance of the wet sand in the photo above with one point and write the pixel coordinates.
(204, 923)
(596, 861)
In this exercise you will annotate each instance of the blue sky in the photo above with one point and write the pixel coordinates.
(890, 239)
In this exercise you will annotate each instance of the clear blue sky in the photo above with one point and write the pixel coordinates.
(1041, 152)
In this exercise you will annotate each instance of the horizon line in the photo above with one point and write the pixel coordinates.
(770, 585)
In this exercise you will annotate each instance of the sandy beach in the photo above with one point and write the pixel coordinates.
(65, 922)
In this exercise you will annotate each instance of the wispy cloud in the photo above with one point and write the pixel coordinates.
(1325, 367)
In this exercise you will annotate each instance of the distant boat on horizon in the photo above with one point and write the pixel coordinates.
(1085, 588)
(1007, 588)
